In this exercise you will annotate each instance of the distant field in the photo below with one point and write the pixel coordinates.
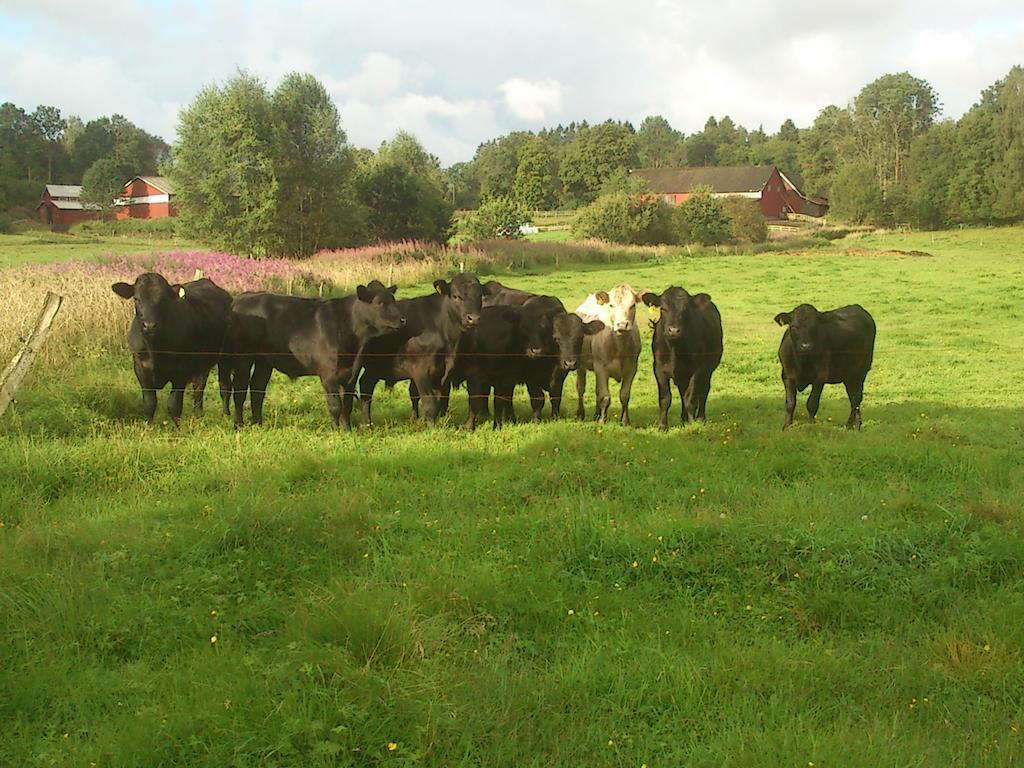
(36, 247)
(551, 236)
(556, 594)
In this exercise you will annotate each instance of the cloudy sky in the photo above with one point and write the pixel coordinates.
(458, 72)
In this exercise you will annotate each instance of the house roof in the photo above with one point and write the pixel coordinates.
(722, 179)
(64, 190)
(160, 182)
(71, 205)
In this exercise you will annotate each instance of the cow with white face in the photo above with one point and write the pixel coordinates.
(611, 353)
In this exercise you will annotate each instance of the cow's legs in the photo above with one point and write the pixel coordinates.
(682, 387)
(691, 399)
(624, 392)
(199, 391)
(503, 394)
(536, 399)
(664, 398)
(429, 397)
(603, 397)
(705, 389)
(581, 391)
(333, 393)
(414, 399)
(258, 383)
(814, 400)
(790, 385)
(240, 387)
(224, 382)
(148, 391)
(366, 386)
(176, 400)
(855, 391)
(555, 392)
(347, 401)
(444, 398)
(477, 394)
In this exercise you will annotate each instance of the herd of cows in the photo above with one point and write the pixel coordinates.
(488, 337)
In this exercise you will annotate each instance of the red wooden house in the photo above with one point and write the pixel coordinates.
(777, 195)
(146, 197)
(61, 206)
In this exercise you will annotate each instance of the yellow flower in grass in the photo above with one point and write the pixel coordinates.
(392, 746)
(213, 639)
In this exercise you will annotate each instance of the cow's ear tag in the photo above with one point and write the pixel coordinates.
(181, 292)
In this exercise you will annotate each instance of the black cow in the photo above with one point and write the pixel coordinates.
(425, 350)
(498, 295)
(687, 348)
(820, 348)
(307, 337)
(176, 337)
(535, 344)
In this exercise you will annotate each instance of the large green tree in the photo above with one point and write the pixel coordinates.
(102, 183)
(824, 147)
(461, 185)
(403, 191)
(1008, 170)
(316, 201)
(224, 167)
(857, 196)
(923, 198)
(135, 150)
(31, 153)
(889, 113)
(659, 145)
(593, 155)
(535, 185)
(496, 162)
(781, 149)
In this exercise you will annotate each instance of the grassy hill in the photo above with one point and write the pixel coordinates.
(556, 594)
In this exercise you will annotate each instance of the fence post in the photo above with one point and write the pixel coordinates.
(20, 363)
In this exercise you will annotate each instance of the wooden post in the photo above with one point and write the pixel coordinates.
(19, 365)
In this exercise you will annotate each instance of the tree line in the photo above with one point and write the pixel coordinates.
(272, 171)
(43, 147)
(884, 158)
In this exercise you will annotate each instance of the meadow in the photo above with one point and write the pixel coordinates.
(566, 594)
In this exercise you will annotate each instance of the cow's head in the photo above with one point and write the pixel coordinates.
(619, 307)
(677, 309)
(805, 327)
(466, 295)
(568, 332)
(154, 299)
(537, 332)
(380, 310)
(493, 288)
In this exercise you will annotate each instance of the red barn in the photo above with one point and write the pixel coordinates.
(61, 206)
(146, 197)
(777, 195)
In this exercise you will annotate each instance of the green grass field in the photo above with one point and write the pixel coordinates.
(557, 594)
(44, 247)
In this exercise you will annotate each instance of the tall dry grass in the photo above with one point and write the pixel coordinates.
(412, 262)
(94, 320)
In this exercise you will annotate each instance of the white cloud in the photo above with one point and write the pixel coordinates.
(534, 101)
(459, 72)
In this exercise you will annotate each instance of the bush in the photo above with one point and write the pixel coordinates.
(497, 218)
(857, 197)
(748, 225)
(161, 229)
(702, 219)
(627, 218)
